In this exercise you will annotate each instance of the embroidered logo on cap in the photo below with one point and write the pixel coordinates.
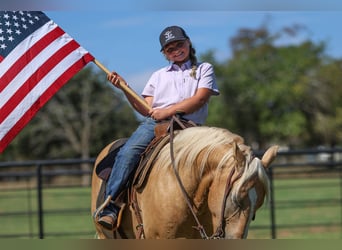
(168, 35)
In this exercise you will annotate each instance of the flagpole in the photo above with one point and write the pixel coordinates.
(135, 99)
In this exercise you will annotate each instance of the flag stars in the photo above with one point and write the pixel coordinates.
(14, 24)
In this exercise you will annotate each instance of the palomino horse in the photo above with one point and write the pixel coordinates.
(222, 186)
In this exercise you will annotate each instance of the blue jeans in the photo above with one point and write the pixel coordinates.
(128, 157)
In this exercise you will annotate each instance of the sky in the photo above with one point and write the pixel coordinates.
(124, 34)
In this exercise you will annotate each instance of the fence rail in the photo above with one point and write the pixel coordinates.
(38, 176)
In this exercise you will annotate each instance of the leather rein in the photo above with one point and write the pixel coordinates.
(219, 233)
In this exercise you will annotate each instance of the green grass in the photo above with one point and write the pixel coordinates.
(76, 222)
(305, 209)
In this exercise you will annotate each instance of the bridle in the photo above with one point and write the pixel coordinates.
(219, 232)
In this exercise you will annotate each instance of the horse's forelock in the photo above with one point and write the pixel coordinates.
(252, 167)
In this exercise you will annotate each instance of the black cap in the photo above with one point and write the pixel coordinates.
(171, 34)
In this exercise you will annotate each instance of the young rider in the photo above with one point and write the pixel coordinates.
(185, 85)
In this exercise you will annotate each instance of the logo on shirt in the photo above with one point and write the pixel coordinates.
(168, 35)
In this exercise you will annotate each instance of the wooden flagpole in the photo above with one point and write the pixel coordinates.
(137, 102)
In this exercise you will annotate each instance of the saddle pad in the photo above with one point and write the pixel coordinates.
(104, 168)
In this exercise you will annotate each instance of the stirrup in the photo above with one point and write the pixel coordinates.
(100, 208)
(97, 212)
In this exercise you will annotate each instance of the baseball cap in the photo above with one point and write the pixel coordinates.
(171, 34)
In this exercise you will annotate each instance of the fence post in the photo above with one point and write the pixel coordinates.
(40, 201)
(273, 223)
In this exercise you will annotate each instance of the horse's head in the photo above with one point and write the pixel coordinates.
(239, 191)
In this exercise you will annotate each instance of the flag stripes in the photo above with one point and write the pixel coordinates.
(32, 73)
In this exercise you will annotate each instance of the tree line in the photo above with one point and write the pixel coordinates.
(284, 94)
(289, 94)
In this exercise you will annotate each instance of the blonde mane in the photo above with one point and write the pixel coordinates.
(189, 143)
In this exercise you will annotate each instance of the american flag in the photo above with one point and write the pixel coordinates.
(36, 59)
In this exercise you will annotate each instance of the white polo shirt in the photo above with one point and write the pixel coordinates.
(173, 84)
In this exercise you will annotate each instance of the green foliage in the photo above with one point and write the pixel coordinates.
(271, 93)
(324, 107)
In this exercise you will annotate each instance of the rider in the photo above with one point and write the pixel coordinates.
(185, 85)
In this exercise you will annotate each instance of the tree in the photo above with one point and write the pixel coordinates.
(322, 103)
(269, 92)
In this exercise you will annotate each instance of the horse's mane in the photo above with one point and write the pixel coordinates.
(189, 143)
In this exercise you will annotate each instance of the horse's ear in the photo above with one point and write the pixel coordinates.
(269, 156)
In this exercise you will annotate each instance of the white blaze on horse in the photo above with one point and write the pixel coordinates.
(221, 185)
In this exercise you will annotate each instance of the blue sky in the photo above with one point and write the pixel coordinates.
(127, 41)
(123, 34)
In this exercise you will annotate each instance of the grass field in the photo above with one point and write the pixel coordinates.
(305, 209)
